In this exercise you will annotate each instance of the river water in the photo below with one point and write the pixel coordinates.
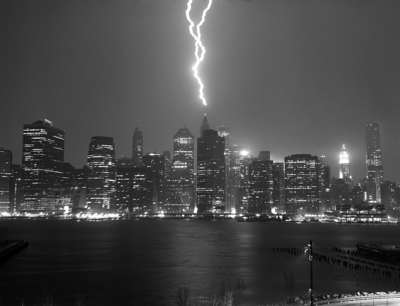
(144, 261)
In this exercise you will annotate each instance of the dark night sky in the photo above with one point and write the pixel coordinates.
(291, 77)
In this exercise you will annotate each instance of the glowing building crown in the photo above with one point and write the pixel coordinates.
(343, 157)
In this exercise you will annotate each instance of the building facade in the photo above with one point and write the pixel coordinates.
(302, 191)
(278, 194)
(374, 163)
(134, 189)
(223, 131)
(180, 187)
(238, 178)
(137, 148)
(5, 180)
(344, 167)
(101, 169)
(260, 199)
(210, 172)
(42, 165)
(388, 195)
(155, 163)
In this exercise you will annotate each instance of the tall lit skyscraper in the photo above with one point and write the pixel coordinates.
(101, 174)
(374, 163)
(278, 194)
(260, 198)
(223, 131)
(156, 164)
(5, 179)
(135, 189)
(137, 148)
(179, 195)
(184, 149)
(344, 167)
(16, 187)
(302, 183)
(204, 126)
(238, 178)
(42, 163)
(210, 172)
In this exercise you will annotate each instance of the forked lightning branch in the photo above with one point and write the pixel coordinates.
(200, 50)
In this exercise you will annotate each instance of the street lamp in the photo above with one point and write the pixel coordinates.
(310, 258)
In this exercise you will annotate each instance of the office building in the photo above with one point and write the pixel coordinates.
(210, 172)
(302, 193)
(16, 188)
(223, 131)
(388, 195)
(135, 190)
(156, 165)
(137, 148)
(344, 167)
(74, 187)
(183, 149)
(278, 194)
(101, 174)
(260, 197)
(5, 180)
(180, 188)
(42, 164)
(374, 162)
(124, 162)
(359, 194)
(238, 178)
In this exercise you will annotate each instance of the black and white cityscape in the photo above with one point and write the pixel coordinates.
(199, 152)
(224, 178)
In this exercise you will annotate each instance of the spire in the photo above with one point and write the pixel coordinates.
(205, 125)
(343, 157)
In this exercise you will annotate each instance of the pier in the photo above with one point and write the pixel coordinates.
(9, 248)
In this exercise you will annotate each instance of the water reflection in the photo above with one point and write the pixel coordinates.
(135, 260)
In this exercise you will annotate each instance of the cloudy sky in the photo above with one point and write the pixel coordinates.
(290, 77)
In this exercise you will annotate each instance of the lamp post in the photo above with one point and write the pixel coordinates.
(309, 249)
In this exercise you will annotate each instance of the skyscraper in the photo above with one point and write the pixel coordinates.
(260, 186)
(179, 194)
(134, 189)
(74, 186)
(302, 183)
(156, 165)
(5, 179)
(388, 193)
(204, 126)
(42, 163)
(101, 174)
(210, 172)
(223, 131)
(184, 149)
(238, 178)
(137, 148)
(278, 193)
(374, 163)
(344, 167)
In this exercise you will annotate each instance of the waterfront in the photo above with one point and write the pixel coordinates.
(126, 262)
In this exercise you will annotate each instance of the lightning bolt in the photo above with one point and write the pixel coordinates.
(200, 49)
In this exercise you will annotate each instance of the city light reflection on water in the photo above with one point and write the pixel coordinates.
(126, 261)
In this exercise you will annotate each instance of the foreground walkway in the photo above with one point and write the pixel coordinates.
(362, 300)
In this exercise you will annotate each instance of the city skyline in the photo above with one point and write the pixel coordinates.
(280, 82)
